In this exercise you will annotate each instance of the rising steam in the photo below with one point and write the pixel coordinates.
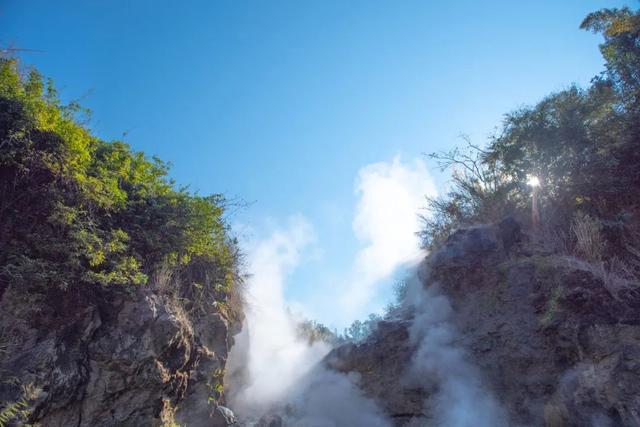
(390, 194)
(272, 370)
(440, 365)
(271, 357)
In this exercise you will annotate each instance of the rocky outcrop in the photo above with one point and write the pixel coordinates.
(113, 358)
(381, 362)
(556, 343)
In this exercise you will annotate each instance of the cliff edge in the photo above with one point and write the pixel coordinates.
(554, 339)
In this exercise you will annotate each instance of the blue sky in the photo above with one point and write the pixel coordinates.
(283, 103)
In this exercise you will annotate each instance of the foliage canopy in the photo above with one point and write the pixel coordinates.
(76, 210)
(583, 144)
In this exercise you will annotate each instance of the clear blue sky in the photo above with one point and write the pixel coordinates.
(282, 102)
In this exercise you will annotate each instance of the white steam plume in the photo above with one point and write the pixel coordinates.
(330, 399)
(279, 368)
(390, 195)
(275, 359)
(440, 364)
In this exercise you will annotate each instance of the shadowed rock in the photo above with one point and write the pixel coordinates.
(553, 344)
(113, 360)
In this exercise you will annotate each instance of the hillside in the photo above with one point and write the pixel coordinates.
(526, 311)
(498, 320)
(119, 292)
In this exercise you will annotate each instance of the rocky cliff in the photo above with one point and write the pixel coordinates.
(554, 339)
(118, 288)
(146, 357)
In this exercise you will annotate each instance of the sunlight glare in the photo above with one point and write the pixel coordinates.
(533, 181)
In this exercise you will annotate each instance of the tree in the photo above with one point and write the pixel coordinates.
(581, 143)
(621, 50)
(77, 211)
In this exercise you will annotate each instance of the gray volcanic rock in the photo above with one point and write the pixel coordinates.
(112, 360)
(554, 343)
(381, 362)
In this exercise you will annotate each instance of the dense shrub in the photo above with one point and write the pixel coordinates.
(583, 144)
(77, 211)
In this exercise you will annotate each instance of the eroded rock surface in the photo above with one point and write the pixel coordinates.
(114, 359)
(555, 344)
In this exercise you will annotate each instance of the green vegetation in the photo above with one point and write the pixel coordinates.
(313, 331)
(78, 212)
(552, 307)
(12, 411)
(358, 331)
(16, 412)
(583, 144)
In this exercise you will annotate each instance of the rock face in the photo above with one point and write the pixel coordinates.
(381, 362)
(556, 342)
(113, 359)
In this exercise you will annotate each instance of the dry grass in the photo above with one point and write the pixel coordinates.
(615, 274)
(202, 287)
(163, 280)
(553, 239)
(587, 250)
(8, 343)
(236, 301)
(589, 241)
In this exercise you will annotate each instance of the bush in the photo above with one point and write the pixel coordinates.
(581, 143)
(78, 211)
(480, 192)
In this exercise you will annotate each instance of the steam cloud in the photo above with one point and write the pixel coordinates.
(274, 370)
(440, 365)
(272, 356)
(390, 194)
